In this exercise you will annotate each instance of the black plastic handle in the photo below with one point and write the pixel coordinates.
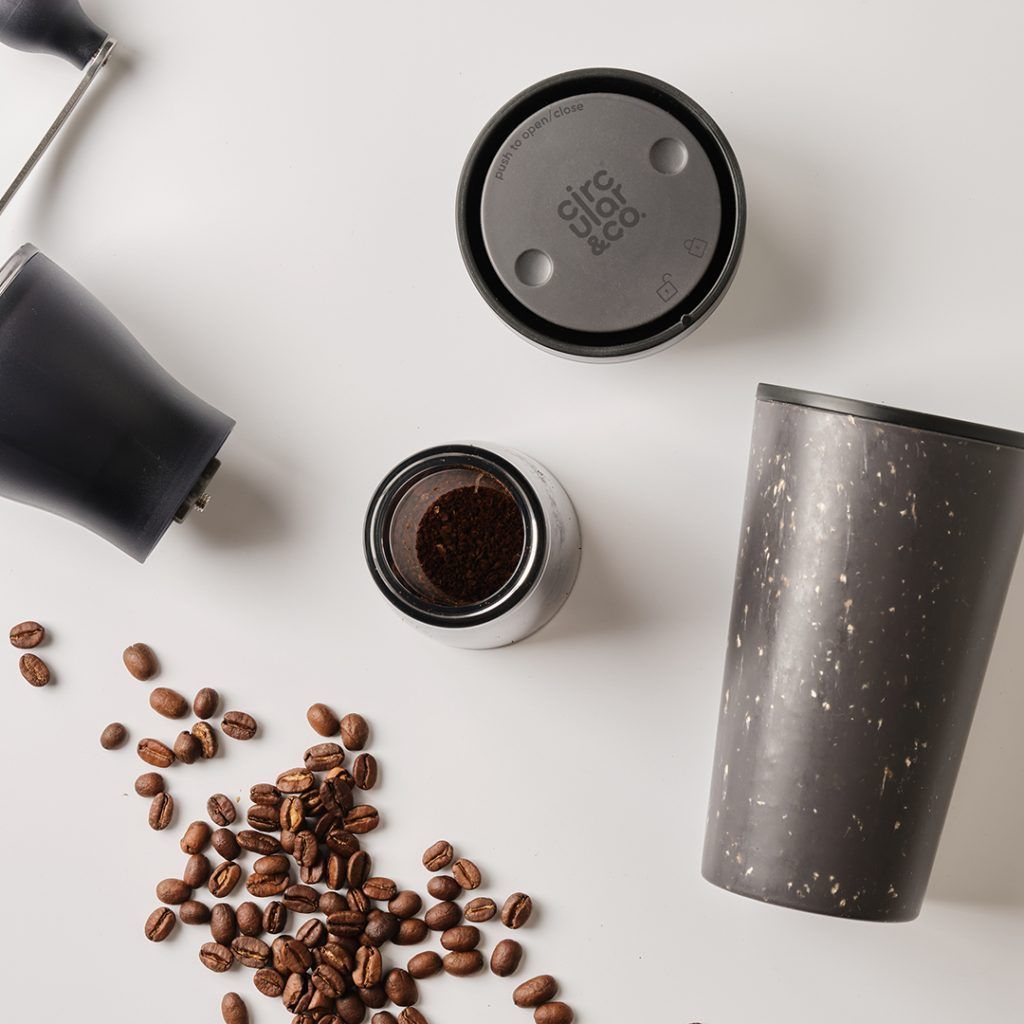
(59, 27)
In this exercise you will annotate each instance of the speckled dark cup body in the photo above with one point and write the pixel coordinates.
(874, 561)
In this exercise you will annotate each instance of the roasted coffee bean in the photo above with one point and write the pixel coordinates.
(362, 819)
(384, 1018)
(205, 703)
(295, 995)
(358, 868)
(140, 661)
(330, 902)
(346, 922)
(34, 670)
(269, 982)
(400, 987)
(173, 891)
(161, 811)
(506, 958)
(554, 1013)
(225, 843)
(541, 989)
(334, 873)
(197, 871)
(160, 924)
(216, 957)
(323, 720)
(444, 887)
(312, 933)
(255, 842)
(220, 809)
(327, 980)
(250, 951)
(290, 955)
(306, 850)
(250, 919)
(462, 964)
(335, 954)
(411, 932)
(113, 736)
(263, 817)
(322, 757)
(481, 909)
(149, 784)
(443, 916)
(380, 928)
(405, 904)
(266, 885)
(466, 873)
(287, 840)
(194, 912)
(461, 939)
(517, 910)
(369, 967)
(358, 900)
(168, 703)
(291, 814)
(264, 793)
(425, 965)
(364, 771)
(438, 856)
(295, 780)
(342, 774)
(238, 725)
(233, 1009)
(223, 924)
(312, 874)
(410, 1015)
(27, 635)
(275, 918)
(301, 898)
(354, 732)
(153, 752)
(351, 1009)
(336, 795)
(196, 837)
(319, 1004)
(275, 864)
(380, 888)
(187, 748)
(224, 878)
(207, 738)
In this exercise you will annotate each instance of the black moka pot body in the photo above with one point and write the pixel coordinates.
(92, 428)
(876, 551)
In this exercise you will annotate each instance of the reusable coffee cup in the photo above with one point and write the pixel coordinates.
(875, 554)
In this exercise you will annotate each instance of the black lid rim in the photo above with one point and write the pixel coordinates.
(693, 308)
(962, 429)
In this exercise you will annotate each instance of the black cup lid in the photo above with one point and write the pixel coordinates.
(601, 213)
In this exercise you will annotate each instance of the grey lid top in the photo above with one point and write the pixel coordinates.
(599, 210)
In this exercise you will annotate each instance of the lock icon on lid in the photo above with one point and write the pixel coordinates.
(667, 290)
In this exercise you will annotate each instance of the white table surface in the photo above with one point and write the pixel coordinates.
(266, 200)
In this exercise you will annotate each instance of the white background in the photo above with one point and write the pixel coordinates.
(264, 194)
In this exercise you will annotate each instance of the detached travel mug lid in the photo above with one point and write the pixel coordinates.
(601, 214)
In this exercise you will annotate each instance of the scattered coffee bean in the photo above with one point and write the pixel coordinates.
(205, 703)
(411, 932)
(400, 987)
(351, 1009)
(113, 736)
(161, 811)
(295, 997)
(384, 1018)
(168, 703)
(541, 989)
(265, 795)
(173, 891)
(323, 720)
(462, 964)
(410, 1015)
(444, 887)
(466, 873)
(506, 958)
(224, 878)
(438, 856)
(330, 902)
(362, 819)
(364, 771)
(380, 889)
(369, 967)
(233, 1009)
(250, 951)
(481, 909)
(269, 982)
(295, 781)
(223, 924)
(267, 885)
(301, 898)
(220, 809)
(257, 843)
(160, 924)
(196, 838)
(153, 752)
(517, 910)
(405, 904)
(197, 871)
(140, 661)
(238, 725)
(312, 934)
(225, 843)
(34, 670)
(322, 757)
(554, 1013)
(290, 955)
(149, 784)
(194, 912)
(461, 939)
(249, 919)
(27, 635)
(216, 957)
(425, 965)
(207, 738)
(186, 748)
(263, 817)
(443, 916)
(354, 732)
